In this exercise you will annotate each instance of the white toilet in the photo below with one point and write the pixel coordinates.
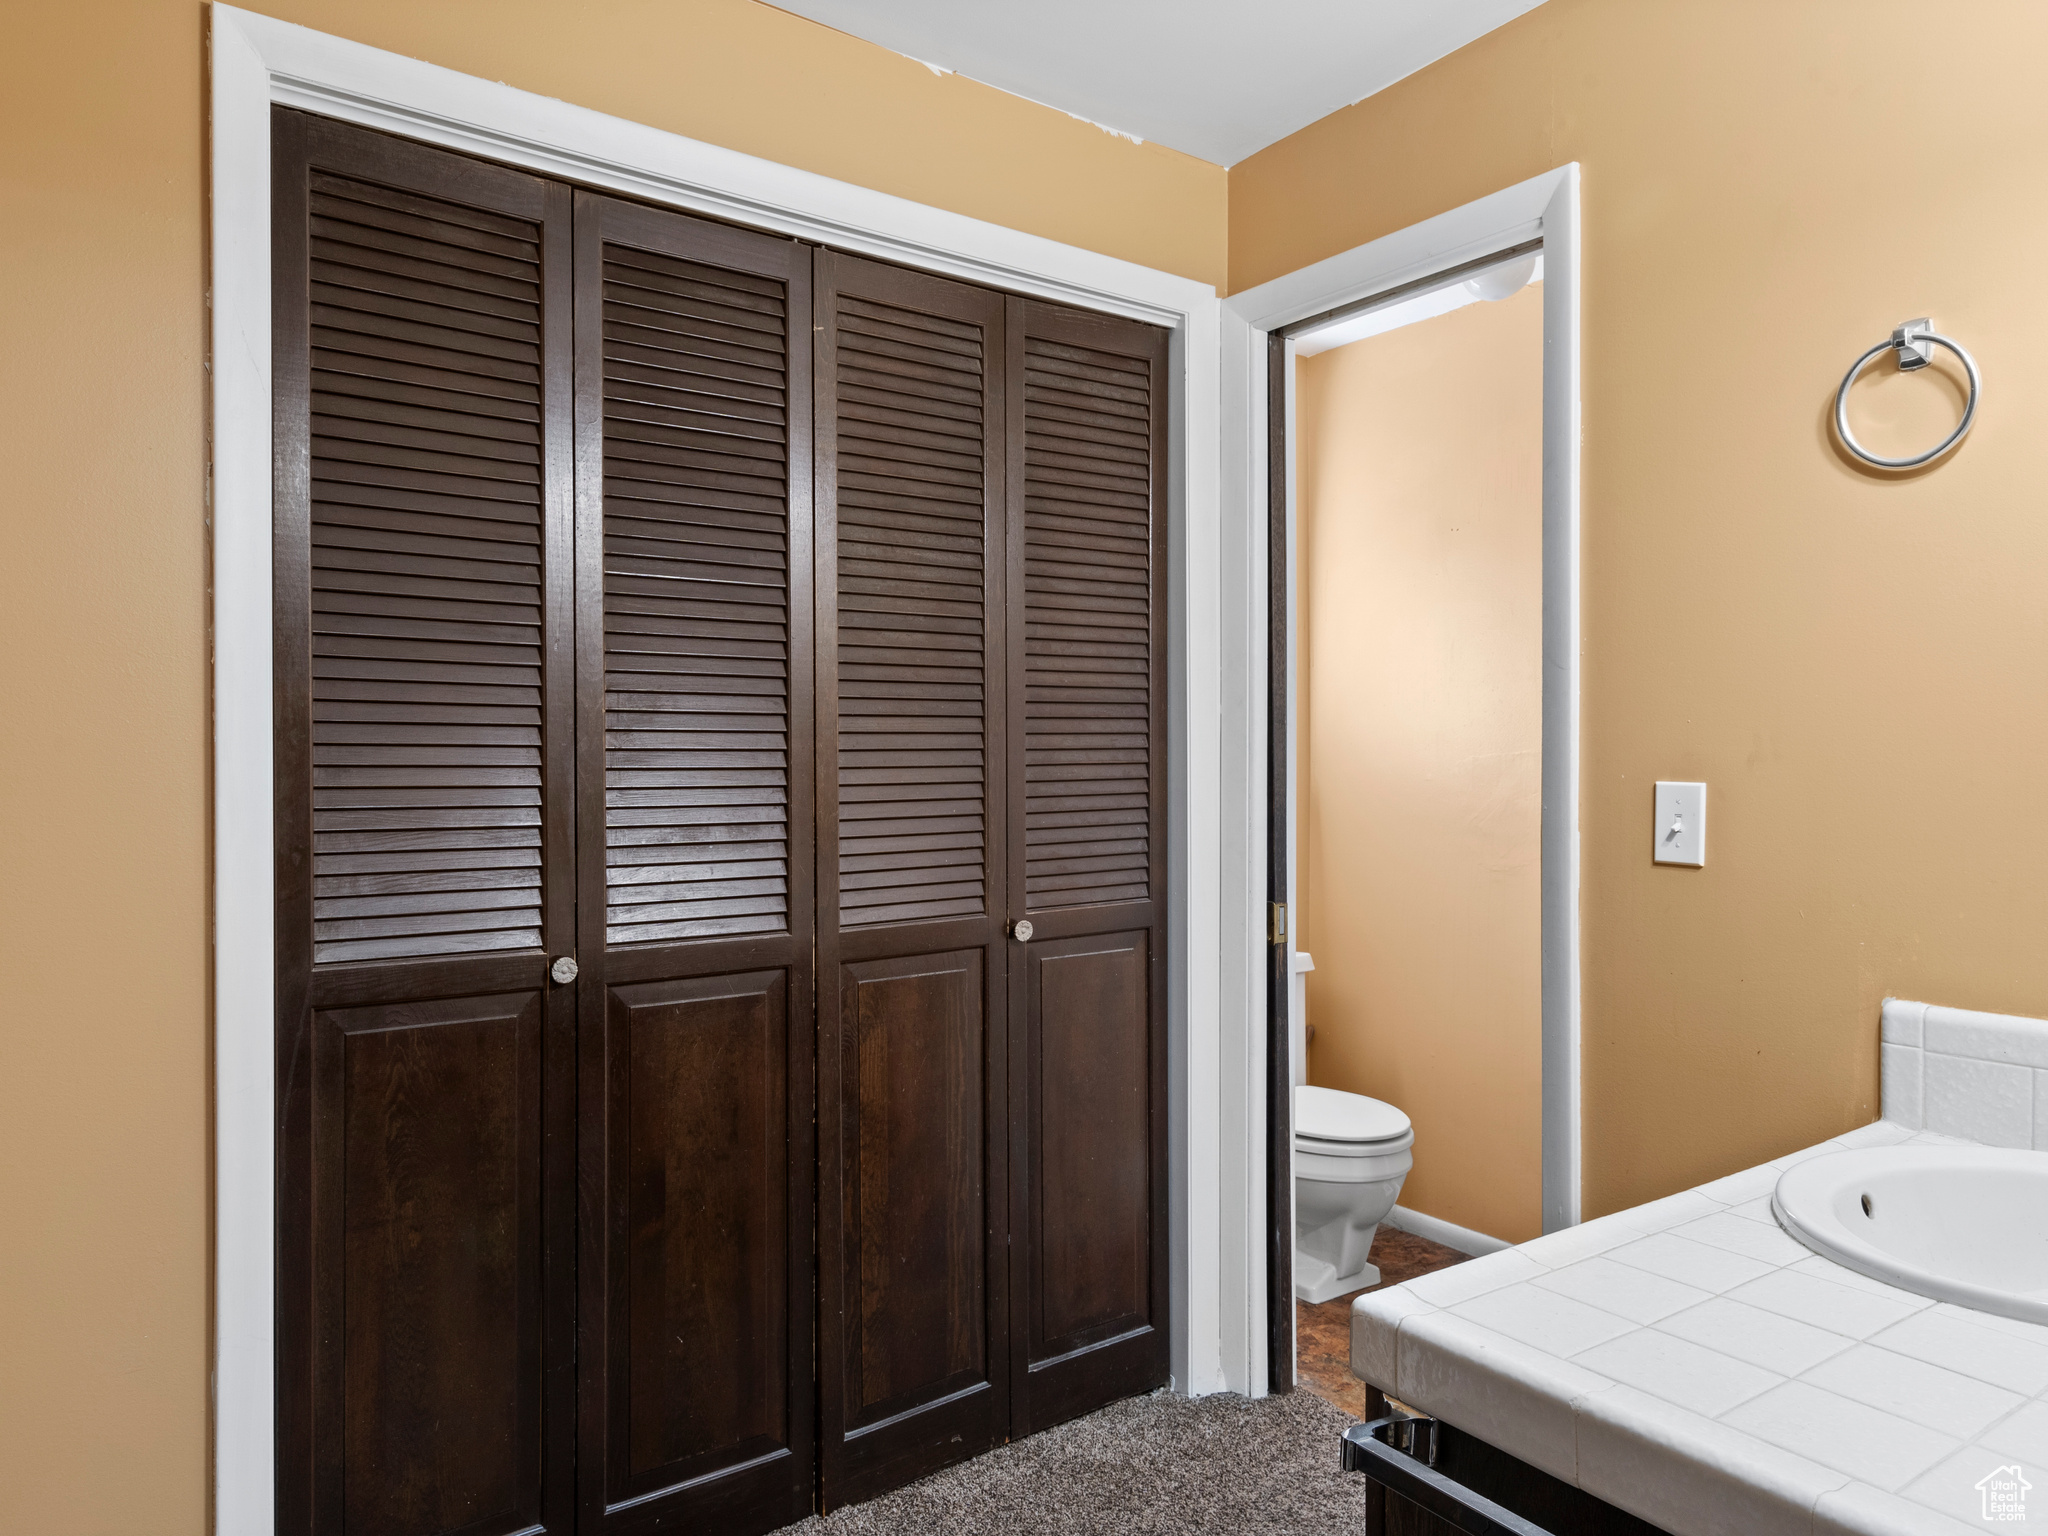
(1350, 1156)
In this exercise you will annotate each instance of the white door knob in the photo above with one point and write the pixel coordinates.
(563, 970)
(1021, 930)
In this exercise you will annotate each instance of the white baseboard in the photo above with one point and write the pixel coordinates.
(1449, 1233)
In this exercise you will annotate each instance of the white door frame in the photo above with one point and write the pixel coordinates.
(1545, 206)
(1217, 1223)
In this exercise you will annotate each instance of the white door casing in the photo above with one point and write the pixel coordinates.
(1545, 207)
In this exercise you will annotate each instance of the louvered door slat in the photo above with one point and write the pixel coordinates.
(697, 622)
(1087, 625)
(911, 577)
(426, 512)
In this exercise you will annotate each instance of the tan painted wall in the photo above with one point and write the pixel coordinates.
(103, 754)
(1858, 667)
(1419, 495)
(1769, 188)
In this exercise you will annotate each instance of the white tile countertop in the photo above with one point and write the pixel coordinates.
(1693, 1364)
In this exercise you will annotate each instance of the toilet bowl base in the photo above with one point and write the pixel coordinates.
(1317, 1280)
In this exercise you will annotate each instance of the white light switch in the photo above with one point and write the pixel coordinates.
(1681, 824)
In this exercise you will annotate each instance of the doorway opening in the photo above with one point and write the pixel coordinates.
(1417, 473)
(1421, 396)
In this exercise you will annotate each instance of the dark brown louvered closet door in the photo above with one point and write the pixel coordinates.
(1087, 823)
(696, 834)
(912, 1099)
(426, 1195)
(695, 652)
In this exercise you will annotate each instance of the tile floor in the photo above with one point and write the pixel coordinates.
(1322, 1330)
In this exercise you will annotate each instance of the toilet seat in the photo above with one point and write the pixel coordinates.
(1338, 1124)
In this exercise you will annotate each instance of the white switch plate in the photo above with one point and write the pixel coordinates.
(1681, 835)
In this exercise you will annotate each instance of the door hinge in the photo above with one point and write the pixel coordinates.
(1276, 924)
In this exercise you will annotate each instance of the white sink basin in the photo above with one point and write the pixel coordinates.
(1967, 1225)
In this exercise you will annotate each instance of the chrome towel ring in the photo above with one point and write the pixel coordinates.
(1915, 342)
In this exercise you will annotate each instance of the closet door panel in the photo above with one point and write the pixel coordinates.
(423, 837)
(913, 1214)
(704, 1079)
(1091, 1228)
(915, 1197)
(434, 1209)
(1087, 828)
(696, 835)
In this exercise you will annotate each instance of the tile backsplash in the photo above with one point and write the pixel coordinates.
(1983, 1076)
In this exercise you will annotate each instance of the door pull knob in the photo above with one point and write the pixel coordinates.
(564, 969)
(1020, 930)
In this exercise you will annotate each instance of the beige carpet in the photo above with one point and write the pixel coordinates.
(1153, 1464)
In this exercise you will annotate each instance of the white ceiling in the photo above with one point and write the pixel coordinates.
(1220, 79)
